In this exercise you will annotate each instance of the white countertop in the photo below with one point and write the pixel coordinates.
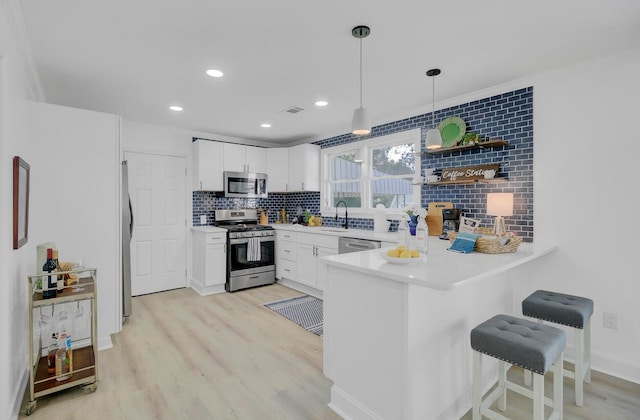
(208, 229)
(336, 231)
(439, 269)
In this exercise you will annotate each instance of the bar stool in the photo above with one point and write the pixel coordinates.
(524, 343)
(574, 312)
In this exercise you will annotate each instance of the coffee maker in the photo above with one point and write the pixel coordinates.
(450, 221)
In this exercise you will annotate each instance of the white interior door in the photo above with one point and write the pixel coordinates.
(157, 186)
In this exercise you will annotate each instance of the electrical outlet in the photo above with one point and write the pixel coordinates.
(203, 219)
(610, 320)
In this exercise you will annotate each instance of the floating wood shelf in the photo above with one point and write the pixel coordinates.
(470, 181)
(481, 145)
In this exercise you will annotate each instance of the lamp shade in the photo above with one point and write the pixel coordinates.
(360, 124)
(434, 139)
(500, 204)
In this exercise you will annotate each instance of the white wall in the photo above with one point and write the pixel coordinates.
(15, 88)
(586, 147)
(75, 201)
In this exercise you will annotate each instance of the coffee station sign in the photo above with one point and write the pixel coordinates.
(469, 173)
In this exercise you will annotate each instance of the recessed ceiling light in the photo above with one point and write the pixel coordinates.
(175, 108)
(265, 125)
(322, 103)
(215, 73)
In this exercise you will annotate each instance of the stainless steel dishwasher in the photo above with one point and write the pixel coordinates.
(346, 245)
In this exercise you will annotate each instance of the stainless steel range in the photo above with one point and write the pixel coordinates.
(250, 249)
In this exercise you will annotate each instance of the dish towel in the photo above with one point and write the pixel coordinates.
(253, 249)
(464, 243)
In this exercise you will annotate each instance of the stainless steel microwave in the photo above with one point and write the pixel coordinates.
(245, 184)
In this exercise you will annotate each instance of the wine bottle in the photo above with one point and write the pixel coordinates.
(60, 278)
(49, 282)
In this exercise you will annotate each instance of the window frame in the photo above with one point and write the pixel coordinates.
(365, 146)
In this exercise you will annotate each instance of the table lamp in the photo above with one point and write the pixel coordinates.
(499, 205)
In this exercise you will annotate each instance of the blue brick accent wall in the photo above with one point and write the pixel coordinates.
(508, 116)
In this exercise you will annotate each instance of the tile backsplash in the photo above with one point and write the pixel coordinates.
(508, 116)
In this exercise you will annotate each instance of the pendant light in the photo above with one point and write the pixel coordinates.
(434, 138)
(360, 124)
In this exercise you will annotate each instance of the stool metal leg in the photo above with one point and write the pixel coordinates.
(476, 387)
(502, 379)
(538, 396)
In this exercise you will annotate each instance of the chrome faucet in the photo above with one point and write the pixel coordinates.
(346, 214)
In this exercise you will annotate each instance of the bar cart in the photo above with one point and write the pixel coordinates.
(84, 371)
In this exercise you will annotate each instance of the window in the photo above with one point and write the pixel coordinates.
(376, 171)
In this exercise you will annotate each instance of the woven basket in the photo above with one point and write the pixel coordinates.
(491, 245)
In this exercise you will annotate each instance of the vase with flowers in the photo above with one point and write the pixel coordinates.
(414, 212)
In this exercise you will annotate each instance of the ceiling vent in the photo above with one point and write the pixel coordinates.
(294, 110)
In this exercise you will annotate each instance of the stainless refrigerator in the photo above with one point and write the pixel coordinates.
(127, 229)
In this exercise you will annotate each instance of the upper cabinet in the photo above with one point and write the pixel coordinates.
(290, 169)
(278, 169)
(304, 168)
(240, 158)
(207, 165)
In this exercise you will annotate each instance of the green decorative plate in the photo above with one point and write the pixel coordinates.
(452, 129)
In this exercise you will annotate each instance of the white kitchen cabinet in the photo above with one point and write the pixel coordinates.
(311, 248)
(256, 159)
(304, 168)
(286, 255)
(241, 158)
(209, 261)
(278, 169)
(207, 165)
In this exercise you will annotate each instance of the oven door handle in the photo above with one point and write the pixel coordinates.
(237, 241)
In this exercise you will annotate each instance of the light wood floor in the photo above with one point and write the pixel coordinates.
(184, 356)
(605, 398)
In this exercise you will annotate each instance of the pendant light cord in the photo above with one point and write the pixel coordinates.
(433, 114)
(360, 72)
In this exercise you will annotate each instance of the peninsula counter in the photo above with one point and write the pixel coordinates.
(396, 337)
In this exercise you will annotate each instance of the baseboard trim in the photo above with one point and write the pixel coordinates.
(207, 290)
(348, 407)
(105, 343)
(300, 287)
(19, 394)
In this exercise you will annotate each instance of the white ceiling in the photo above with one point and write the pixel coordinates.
(134, 58)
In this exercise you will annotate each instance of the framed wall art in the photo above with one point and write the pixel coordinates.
(20, 202)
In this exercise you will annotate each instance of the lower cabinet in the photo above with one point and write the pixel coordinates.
(209, 262)
(299, 258)
(286, 259)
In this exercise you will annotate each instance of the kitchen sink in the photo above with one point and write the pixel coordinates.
(336, 229)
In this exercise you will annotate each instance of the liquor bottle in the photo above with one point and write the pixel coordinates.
(60, 278)
(63, 354)
(49, 282)
(51, 354)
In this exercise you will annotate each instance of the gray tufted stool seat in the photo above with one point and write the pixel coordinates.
(530, 345)
(571, 311)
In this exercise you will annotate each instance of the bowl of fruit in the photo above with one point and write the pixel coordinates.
(401, 255)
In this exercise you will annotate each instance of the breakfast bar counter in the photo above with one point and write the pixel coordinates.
(396, 336)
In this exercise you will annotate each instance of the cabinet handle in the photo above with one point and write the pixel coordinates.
(286, 250)
(200, 184)
(224, 249)
(286, 269)
(303, 186)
